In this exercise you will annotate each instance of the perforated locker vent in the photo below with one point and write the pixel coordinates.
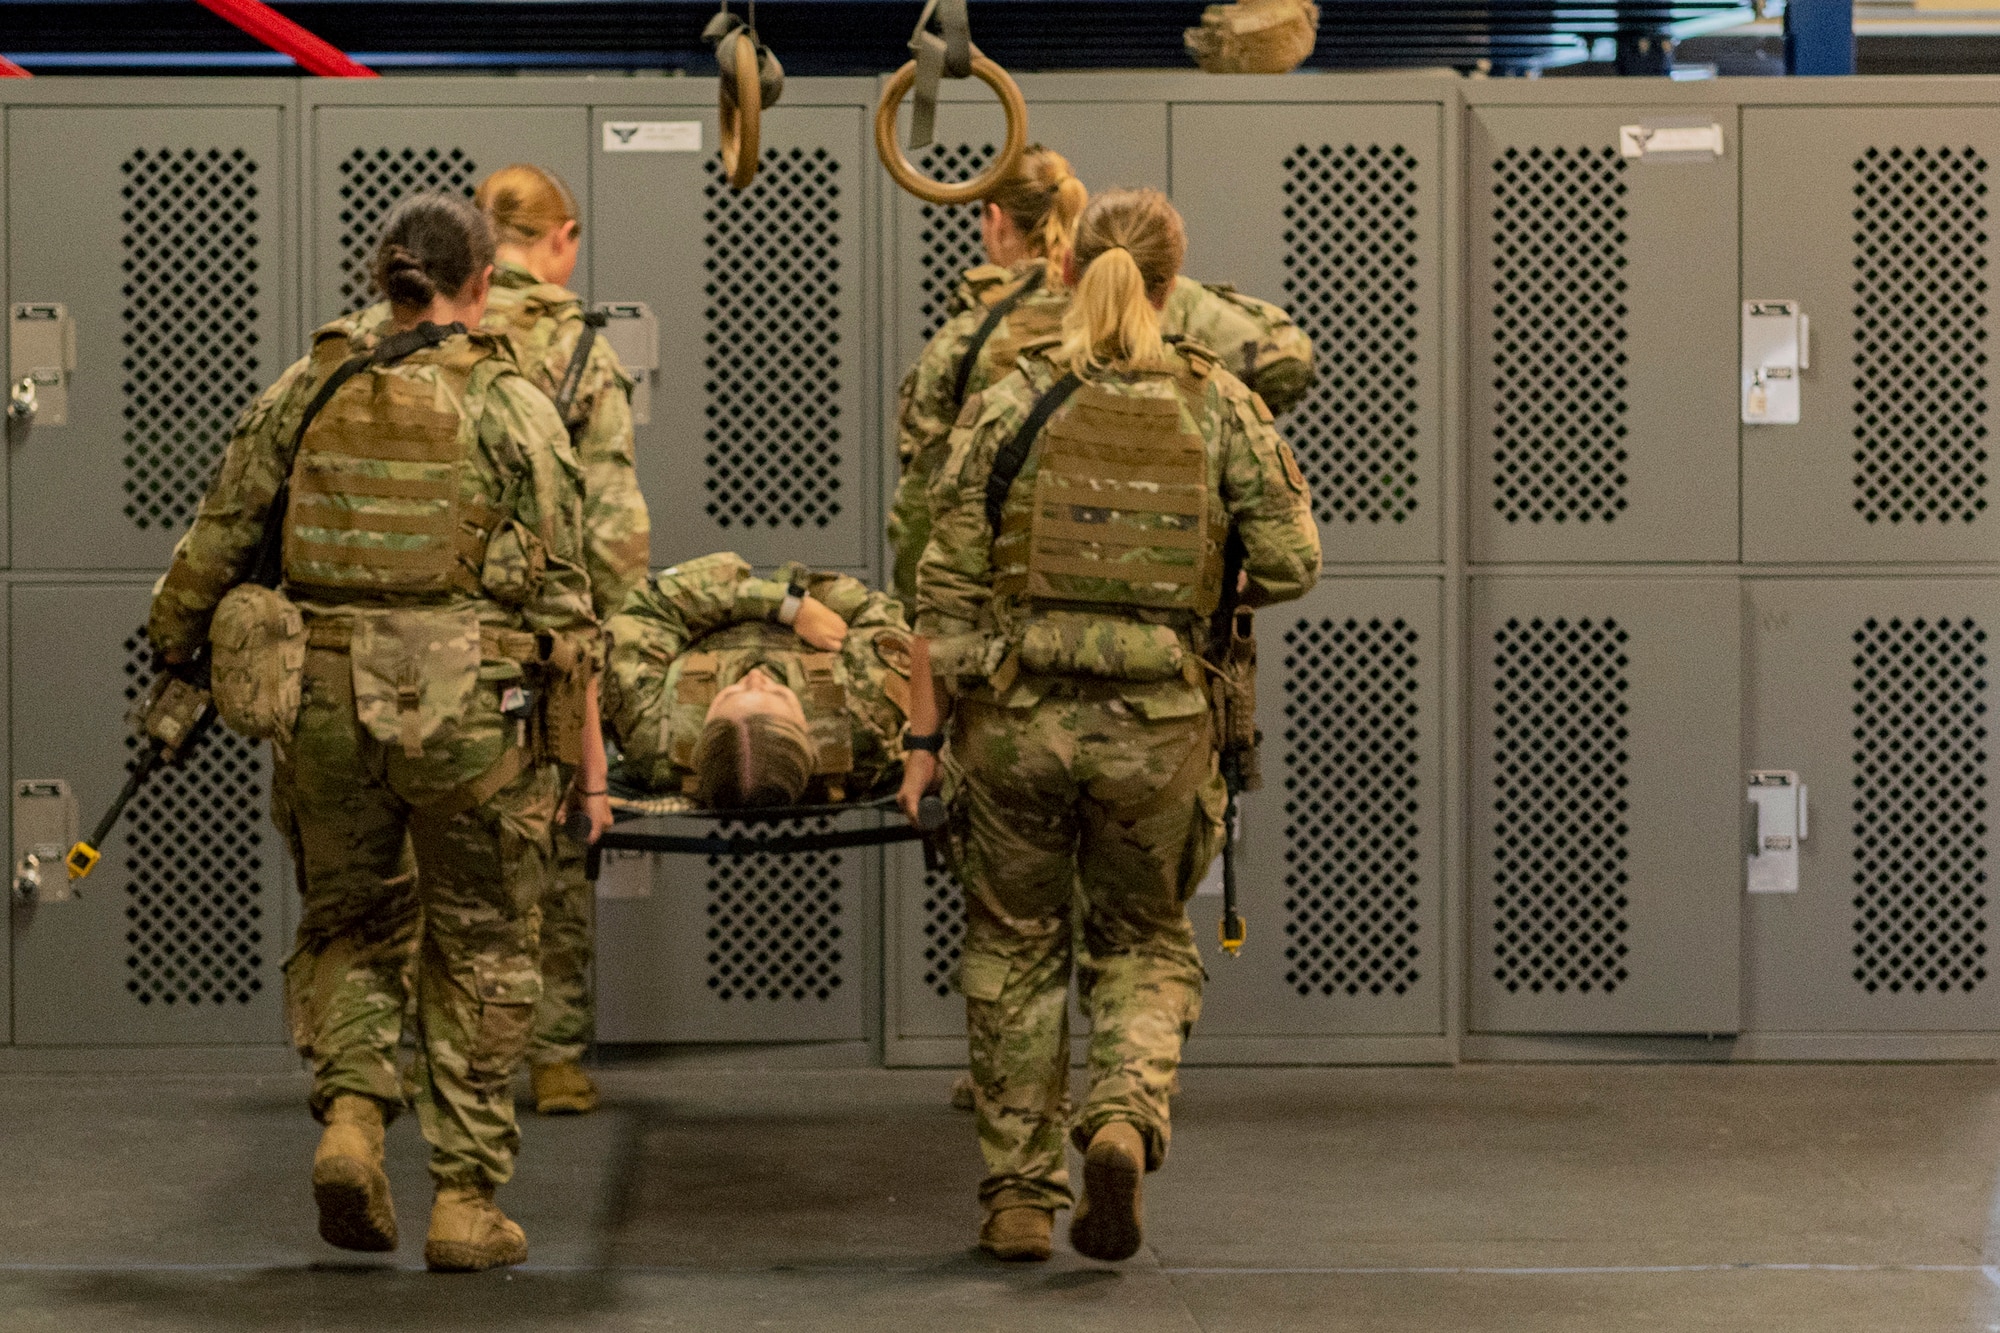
(1351, 265)
(1353, 854)
(1559, 808)
(1920, 806)
(194, 851)
(1919, 335)
(775, 930)
(189, 301)
(774, 355)
(1559, 335)
(371, 181)
(944, 930)
(949, 234)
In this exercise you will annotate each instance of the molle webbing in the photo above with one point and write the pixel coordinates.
(825, 701)
(376, 500)
(1124, 512)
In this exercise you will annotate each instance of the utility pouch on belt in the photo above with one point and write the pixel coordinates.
(258, 641)
(1113, 648)
(414, 673)
(566, 668)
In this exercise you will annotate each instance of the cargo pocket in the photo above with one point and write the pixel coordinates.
(1211, 805)
(983, 976)
(501, 1029)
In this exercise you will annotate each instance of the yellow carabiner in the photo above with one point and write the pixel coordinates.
(82, 859)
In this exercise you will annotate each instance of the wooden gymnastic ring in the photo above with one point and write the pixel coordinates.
(965, 192)
(742, 120)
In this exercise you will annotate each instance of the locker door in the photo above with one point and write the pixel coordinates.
(758, 441)
(1877, 222)
(738, 949)
(1876, 691)
(1604, 328)
(1335, 213)
(1339, 871)
(364, 159)
(1605, 805)
(162, 231)
(176, 938)
(1107, 144)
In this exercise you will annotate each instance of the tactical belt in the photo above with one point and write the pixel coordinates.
(335, 634)
(1013, 455)
(1001, 309)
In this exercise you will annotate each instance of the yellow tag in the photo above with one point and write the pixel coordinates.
(82, 859)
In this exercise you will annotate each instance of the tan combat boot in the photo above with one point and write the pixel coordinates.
(355, 1210)
(962, 1092)
(1018, 1235)
(1107, 1224)
(469, 1233)
(563, 1089)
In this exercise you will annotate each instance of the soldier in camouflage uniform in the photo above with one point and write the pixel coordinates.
(432, 541)
(693, 634)
(535, 224)
(1019, 296)
(1079, 729)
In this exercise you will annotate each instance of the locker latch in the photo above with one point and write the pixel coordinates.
(41, 356)
(634, 334)
(45, 824)
(1777, 346)
(1779, 799)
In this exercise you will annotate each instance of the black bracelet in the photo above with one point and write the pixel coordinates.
(933, 742)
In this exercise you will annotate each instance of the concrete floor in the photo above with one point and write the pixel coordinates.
(705, 1196)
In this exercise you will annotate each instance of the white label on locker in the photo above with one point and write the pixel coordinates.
(652, 136)
(625, 875)
(1679, 143)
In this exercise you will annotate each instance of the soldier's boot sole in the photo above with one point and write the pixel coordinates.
(1018, 1235)
(961, 1093)
(470, 1234)
(1107, 1224)
(351, 1189)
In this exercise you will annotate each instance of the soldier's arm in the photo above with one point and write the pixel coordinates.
(617, 530)
(216, 553)
(925, 406)
(521, 431)
(1267, 500)
(955, 577)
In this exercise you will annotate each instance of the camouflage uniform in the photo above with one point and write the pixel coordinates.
(1094, 786)
(1256, 340)
(714, 618)
(542, 321)
(429, 670)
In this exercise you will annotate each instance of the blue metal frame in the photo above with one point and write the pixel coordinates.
(1819, 37)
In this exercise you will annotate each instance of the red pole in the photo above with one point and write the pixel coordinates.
(268, 26)
(10, 70)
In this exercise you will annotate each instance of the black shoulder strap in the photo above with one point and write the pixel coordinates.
(1013, 455)
(269, 567)
(593, 320)
(999, 311)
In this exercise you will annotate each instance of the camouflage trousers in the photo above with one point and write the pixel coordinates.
(564, 1016)
(1077, 805)
(466, 907)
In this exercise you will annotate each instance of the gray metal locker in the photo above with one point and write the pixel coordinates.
(739, 949)
(178, 936)
(924, 1014)
(759, 438)
(1876, 220)
(1340, 872)
(1603, 315)
(1336, 213)
(1605, 805)
(162, 231)
(365, 158)
(1876, 692)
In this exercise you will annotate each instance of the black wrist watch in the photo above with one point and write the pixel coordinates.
(795, 597)
(933, 742)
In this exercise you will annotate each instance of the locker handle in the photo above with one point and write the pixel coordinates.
(22, 400)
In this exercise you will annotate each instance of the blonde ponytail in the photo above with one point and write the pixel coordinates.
(525, 203)
(1043, 199)
(1129, 245)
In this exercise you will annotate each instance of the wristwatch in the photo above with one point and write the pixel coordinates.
(795, 597)
(933, 742)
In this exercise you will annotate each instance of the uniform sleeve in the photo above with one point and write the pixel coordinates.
(1268, 502)
(955, 577)
(617, 533)
(216, 553)
(520, 427)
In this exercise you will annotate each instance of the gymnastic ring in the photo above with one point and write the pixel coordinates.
(742, 120)
(965, 192)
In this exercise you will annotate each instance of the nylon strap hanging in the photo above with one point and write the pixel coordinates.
(593, 320)
(1013, 455)
(946, 54)
(1001, 309)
